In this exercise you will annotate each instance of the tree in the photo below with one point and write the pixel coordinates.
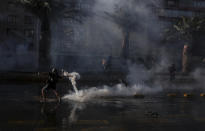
(128, 21)
(183, 30)
(133, 16)
(47, 11)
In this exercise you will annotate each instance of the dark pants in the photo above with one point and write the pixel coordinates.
(49, 86)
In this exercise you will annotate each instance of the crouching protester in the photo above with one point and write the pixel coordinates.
(51, 84)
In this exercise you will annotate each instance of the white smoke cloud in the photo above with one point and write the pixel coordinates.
(102, 36)
(138, 74)
(106, 91)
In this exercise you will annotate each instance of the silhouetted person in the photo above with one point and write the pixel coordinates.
(51, 84)
(104, 64)
(107, 69)
(172, 72)
(109, 63)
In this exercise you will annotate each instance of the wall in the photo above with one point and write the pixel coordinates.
(19, 34)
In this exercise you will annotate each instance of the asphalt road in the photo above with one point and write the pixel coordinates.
(20, 110)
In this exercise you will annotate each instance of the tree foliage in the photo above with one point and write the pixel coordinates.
(184, 28)
(55, 9)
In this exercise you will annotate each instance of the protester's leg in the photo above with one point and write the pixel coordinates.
(43, 92)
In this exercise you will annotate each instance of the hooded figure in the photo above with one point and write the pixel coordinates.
(51, 83)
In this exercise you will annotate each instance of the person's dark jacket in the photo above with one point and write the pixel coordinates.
(53, 78)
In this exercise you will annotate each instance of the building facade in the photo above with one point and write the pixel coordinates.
(19, 34)
(173, 10)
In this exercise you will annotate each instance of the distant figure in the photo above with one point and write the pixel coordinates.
(107, 64)
(172, 72)
(104, 64)
(185, 59)
(51, 84)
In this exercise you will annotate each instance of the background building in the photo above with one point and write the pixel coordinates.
(172, 10)
(19, 38)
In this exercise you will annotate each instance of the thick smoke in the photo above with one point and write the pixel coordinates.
(138, 74)
(90, 41)
(100, 36)
(17, 53)
(118, 90)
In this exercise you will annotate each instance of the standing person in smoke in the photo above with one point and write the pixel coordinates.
(51, 84)
(107, 64)
(107, 68)
(172, 72)
(104, 64)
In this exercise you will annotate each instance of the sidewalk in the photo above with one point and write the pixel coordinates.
(34, 77)
(88, 78)
(22, 77)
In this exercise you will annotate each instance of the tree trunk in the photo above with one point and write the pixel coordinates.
(185, 59)
(125, 45)
(45, 43)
